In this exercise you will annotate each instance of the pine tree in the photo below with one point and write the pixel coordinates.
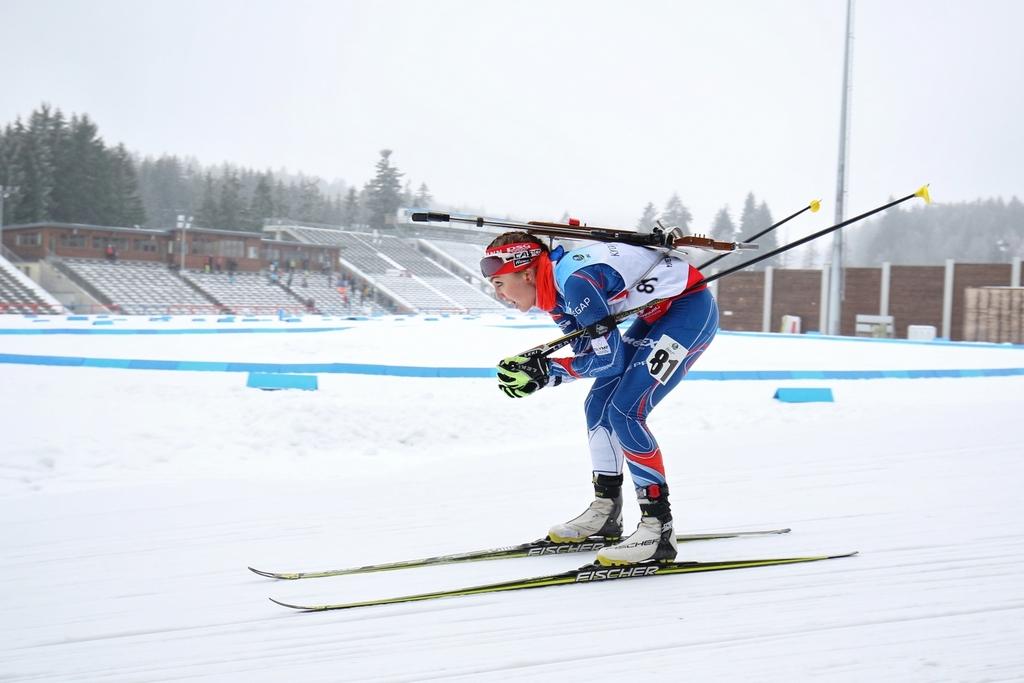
(165, 190)
(423, 199)
(33, 162)
(208, 215)
(754, 219)
(646, 222)
(262, 205)
(676, 215)
(765, 243)
(350, 210)
(230, 211)
(384, 195)
(60, 144)
(748, 218)
(11, 176)
(310, 200)
(282, 200)
(723, 228)
(126, 204)
(332, 210)
(86, 175)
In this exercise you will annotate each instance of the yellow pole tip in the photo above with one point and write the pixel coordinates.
(815, 205)
(924, 194)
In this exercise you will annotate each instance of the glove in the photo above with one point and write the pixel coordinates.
(520, 376)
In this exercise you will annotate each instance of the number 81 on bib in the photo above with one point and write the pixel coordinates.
(666, 357)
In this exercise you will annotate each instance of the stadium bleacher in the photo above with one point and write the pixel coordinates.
(324, 291)
(18, 294)
(246, 293)
(397, 268)
(465, 254)
(377, 272)
(140, 288)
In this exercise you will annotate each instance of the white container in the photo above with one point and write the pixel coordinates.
(921, 332)
(790, 324)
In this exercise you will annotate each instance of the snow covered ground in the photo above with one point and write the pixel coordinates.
(132, 500)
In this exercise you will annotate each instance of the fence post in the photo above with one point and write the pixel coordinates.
(947, 299)
(766, 308)
(1015, 272)
(883, 304)
(823, 303)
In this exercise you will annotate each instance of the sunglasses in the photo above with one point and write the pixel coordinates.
(499, 262)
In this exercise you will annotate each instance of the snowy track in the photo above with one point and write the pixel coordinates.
(132, 502)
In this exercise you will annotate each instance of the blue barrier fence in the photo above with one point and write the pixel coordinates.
(465, 372)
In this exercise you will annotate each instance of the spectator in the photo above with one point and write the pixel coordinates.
(111, 253)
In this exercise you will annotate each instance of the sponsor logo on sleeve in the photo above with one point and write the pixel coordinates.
(579, 309)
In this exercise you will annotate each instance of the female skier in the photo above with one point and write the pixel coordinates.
(585, 288)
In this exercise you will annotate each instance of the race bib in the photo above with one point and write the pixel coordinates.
(666, 357)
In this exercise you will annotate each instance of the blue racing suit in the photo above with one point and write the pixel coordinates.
(632, 372)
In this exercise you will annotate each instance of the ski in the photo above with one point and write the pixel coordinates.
(589, 573)
(532, 549)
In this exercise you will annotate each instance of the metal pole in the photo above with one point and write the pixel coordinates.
(3, 195)
(183, 225)
(836, 279)
(766, 304)
(947, 299)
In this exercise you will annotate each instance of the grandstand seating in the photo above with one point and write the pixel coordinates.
(466, 254)
(429, 278)
(396, 267)
(328, 300)
(18, 294)
(246, 293)
(140, 288)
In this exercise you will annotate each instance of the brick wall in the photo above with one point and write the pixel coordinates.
(862, 294)
(741, 301)
(915, 297)
(796, 292)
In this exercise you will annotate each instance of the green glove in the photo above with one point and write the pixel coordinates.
(520, 376)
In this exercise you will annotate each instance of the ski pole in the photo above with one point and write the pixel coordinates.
(552, 346)
(812, 207)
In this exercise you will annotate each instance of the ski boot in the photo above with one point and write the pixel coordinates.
(602, 518)
(654, 539)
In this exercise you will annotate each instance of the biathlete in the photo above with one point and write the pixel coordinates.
(585, 288)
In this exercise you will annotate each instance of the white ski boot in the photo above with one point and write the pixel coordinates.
(602, 518)
(654, 539)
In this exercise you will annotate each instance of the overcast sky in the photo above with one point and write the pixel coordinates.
(531, 109)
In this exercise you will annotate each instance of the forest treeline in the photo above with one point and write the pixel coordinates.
(59, 168)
